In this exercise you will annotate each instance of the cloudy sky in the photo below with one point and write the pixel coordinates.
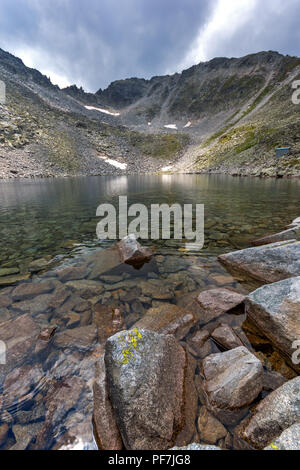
(93, 42)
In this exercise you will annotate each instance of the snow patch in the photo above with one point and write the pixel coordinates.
(188, 124)
(171, 126)
(104, 111)
(167, 168)
(115, 163)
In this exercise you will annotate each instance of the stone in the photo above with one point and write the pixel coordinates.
(295, 223)
(108, 320)
(273, 380)
(9, 271)
(167, 319)
(28, 290)
(85, 288)
(145, 373)
(12, 280)
(288, 440)
(82, 338)
(103, 261)
(210, 429)
(232, 381)
(290, 234)
(5, 301)
(196, 446)
(190, 404)
(132, 253)
(72, 273)
(73, 319)
(273, 415)
(106, 431)
(19, 336)
(4, 428)
(39, 265)
(216, 302)
(157, 289)
(197, 341)
(59, 401)
(19, 383)
(226, 337)
(47, 334)
(24, 435)
(113, 279)
(274, 309)
(268, 263)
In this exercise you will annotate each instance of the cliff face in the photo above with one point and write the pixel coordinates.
(226, 115)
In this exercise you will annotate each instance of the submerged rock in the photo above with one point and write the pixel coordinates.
(268, 263)
(273, 415)
(82, 339)
(210, 429)
(145, 373)
(28, 290)
(108, 321)
(232, 381)
(275, 310)
(20, 336)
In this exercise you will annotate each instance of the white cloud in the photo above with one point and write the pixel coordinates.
(36, 59)
(226, 18)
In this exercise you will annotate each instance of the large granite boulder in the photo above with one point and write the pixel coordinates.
(288, 440)
(276, 413)
(145, 374)
(232, 381)
(275, 310)
(268, 263)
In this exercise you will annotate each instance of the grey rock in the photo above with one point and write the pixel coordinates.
(232, 381)
(196, 447)
(288, 440)
(146, 382)
(226, 337)
(168, 319)
(276, 413)
(268, 263)
(215, 302)
(105, 427)
(290, 234)
(131, 252)
(275, 311)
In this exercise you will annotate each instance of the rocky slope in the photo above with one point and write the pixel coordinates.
(226, 115)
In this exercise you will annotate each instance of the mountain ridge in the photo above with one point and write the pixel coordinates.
(224, 115)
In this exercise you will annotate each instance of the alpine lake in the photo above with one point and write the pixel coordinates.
(48, 226)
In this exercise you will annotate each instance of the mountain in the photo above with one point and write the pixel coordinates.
(225, 115)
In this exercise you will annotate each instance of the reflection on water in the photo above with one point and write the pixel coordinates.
(49, 217)
(46, 394)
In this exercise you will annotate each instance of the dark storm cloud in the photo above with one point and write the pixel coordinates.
(93, 42)
(96, 41)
